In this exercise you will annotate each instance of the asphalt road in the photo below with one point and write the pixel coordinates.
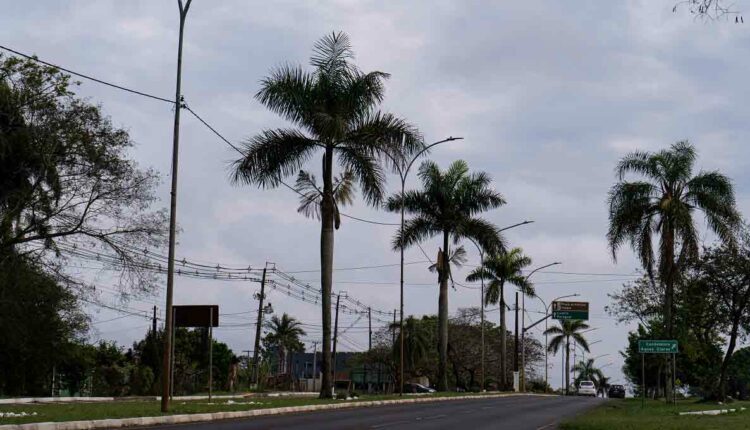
(516, 413)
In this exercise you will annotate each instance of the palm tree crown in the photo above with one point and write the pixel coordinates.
(500, 269)
(334, 111)
(448, 204)
(664, 202)
(586, 371)
(284, 334)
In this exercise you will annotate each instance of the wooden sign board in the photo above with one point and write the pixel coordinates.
(196, 316)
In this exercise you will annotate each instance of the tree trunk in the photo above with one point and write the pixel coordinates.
(722, 388)
(668, 261)
(503, 342)
(442, 383)
(326, 271)
(567, 365)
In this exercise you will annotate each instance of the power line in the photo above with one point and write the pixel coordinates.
(91, 78)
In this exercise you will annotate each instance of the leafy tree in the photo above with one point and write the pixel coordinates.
(335, 111)
(739, 374)
(499, 269)
(725, 275)
(663, 202)
(561, 336)
(65, 180)
(41, 325)
(284, 335)
(418, 337)
(448, 205)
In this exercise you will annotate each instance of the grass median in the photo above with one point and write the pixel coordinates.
(57, 412)
(628, 414)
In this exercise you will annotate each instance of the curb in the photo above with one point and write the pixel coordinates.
(196, 418)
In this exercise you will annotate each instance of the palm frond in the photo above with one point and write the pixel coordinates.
(271, 156)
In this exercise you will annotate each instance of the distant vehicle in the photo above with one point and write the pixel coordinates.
(417, 388)
(616, 392)
(587, 388)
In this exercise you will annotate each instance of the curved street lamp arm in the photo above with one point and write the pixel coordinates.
(425, 149)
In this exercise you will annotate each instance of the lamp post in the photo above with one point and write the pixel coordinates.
(546, 353)
(481, 297)
(402, 167)
(523, 323)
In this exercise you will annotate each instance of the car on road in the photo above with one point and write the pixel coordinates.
(616, 392)
(587, 388)
(417, 388)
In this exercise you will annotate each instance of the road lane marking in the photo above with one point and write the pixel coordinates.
(434, 417)
(546, 426)
(393, 423)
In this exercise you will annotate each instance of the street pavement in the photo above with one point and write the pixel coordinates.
(516, 413)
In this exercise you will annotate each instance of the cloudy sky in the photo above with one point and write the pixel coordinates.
(548, 96)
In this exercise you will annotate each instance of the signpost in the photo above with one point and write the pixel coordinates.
(206, 316)
(570, 310)
(656, 346)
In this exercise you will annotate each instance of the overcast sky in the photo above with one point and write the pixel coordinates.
(548, 96)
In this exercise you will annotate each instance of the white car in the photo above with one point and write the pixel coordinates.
(587, 388)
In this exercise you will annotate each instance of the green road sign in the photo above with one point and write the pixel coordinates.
(570, 310)
(657, 347)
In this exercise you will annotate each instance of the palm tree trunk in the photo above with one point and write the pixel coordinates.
(326, 271)
(567, 364)
(503, 342)
(442, 382)
(668, 261)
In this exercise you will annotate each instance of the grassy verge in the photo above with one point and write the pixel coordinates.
(628, 414)
(127, 409)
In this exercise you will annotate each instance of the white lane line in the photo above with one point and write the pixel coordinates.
(434, 417)
(546, 426)
(393, 423)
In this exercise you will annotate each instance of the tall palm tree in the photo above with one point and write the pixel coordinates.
(334, 110)
(561, 336)
(499, 269)
(448, 205)
(284, 334)
(586, 371)
(663, 203)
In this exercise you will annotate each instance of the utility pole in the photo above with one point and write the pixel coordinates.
(167, 359)
(369, 318)
(259, 324)
(393, 332)
(153, 322)
(315, 363)
(515, 358)
(210, 353)
(335, 340)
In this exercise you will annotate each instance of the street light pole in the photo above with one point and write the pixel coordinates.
(169, 323)
(523, 323)
(546, 353)
(402, 167)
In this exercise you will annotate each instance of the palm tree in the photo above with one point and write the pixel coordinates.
(663, 202)
(334, 111)
(448, 205)
(602, 384)
(284, 334)
(586, 371)
(499, 269)
(561, 336)
(416, 341)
